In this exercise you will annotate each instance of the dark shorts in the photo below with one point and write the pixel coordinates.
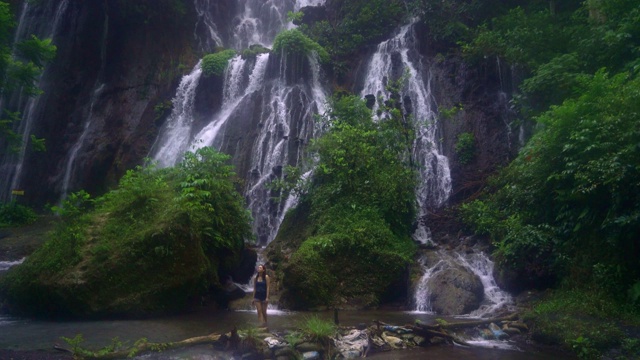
(260, 296)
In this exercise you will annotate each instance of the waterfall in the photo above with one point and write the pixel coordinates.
(477, 263)
(31, 22)
(174, 136)
(304, 3)
(398, 58)
(260, 22)
(205, 19)
(95, 94)
(233, 96)
(494, 298)
(6, 265)
(422, 303)
(265, 118)
(75, 149)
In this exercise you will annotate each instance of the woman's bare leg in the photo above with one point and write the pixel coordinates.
(264, 312)
(259, 306)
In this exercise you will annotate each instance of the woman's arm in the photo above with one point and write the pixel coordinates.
(268, 286)
(253, 297)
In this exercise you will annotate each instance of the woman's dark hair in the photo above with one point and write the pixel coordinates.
(264, 273)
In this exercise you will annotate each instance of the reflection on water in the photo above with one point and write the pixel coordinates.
(25, 334)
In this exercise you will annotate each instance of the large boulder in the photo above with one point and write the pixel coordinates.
(143, 249)
(455, 291)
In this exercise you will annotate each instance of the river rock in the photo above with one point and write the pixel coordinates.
(311, 355)
(511, 331)
(497, 332)
(419, 340)
(286, 353)
(308, 347)
(395, 342)
(455, 291)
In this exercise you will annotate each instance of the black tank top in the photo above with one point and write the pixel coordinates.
(261, 290)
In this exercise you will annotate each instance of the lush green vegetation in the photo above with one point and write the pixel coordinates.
(216, 63)
(295, 42)
(253, 51)
(565, 212)
(466, 148)
(587, 322)
(567, 207)
(357, 23)
(318, 329)
(13, 214)
(20, 71)
(162, 238)
(360, 206)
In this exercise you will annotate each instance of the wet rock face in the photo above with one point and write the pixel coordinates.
(114, 69)
(455, 291)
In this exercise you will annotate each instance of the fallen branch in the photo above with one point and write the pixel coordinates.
(465, 324)
(148, 346)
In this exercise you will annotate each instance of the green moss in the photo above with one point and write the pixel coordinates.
(253, 51)
(295, 42)
(360, 258)
(215, 64)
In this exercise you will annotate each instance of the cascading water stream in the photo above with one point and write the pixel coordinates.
(205, 19)
(75, 149)
(175, 136)
(95, 95)
(494, 298)
(283, 110)
(29, 24)
(422, 303)
(234, 94)
(475, 262)
(304, 3)
(398, 58)
(435, 177)
(260, 22)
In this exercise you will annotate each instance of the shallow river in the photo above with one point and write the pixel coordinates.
(25, 334)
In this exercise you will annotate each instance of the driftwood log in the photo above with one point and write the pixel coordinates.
(440, 330)
(148, 346)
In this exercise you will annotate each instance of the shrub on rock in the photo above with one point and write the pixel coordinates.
(153, 245)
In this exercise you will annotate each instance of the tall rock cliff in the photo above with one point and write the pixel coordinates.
(108, 96)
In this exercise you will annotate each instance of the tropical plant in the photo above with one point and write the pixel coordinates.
(20, 70)
(572, 193)
(317, 329)
(162, 236)
(293, 41)
(215, 64)
(12, 214)
(466, 148)
(361, 201)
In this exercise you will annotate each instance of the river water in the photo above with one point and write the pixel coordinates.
(28, 334)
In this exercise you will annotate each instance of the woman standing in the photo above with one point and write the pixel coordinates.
(261, 294)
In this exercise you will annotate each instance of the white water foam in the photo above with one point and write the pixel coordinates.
(494, 298)
(6, 265)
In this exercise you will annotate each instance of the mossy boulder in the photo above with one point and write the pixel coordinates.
(352, 265)
(156, 245)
